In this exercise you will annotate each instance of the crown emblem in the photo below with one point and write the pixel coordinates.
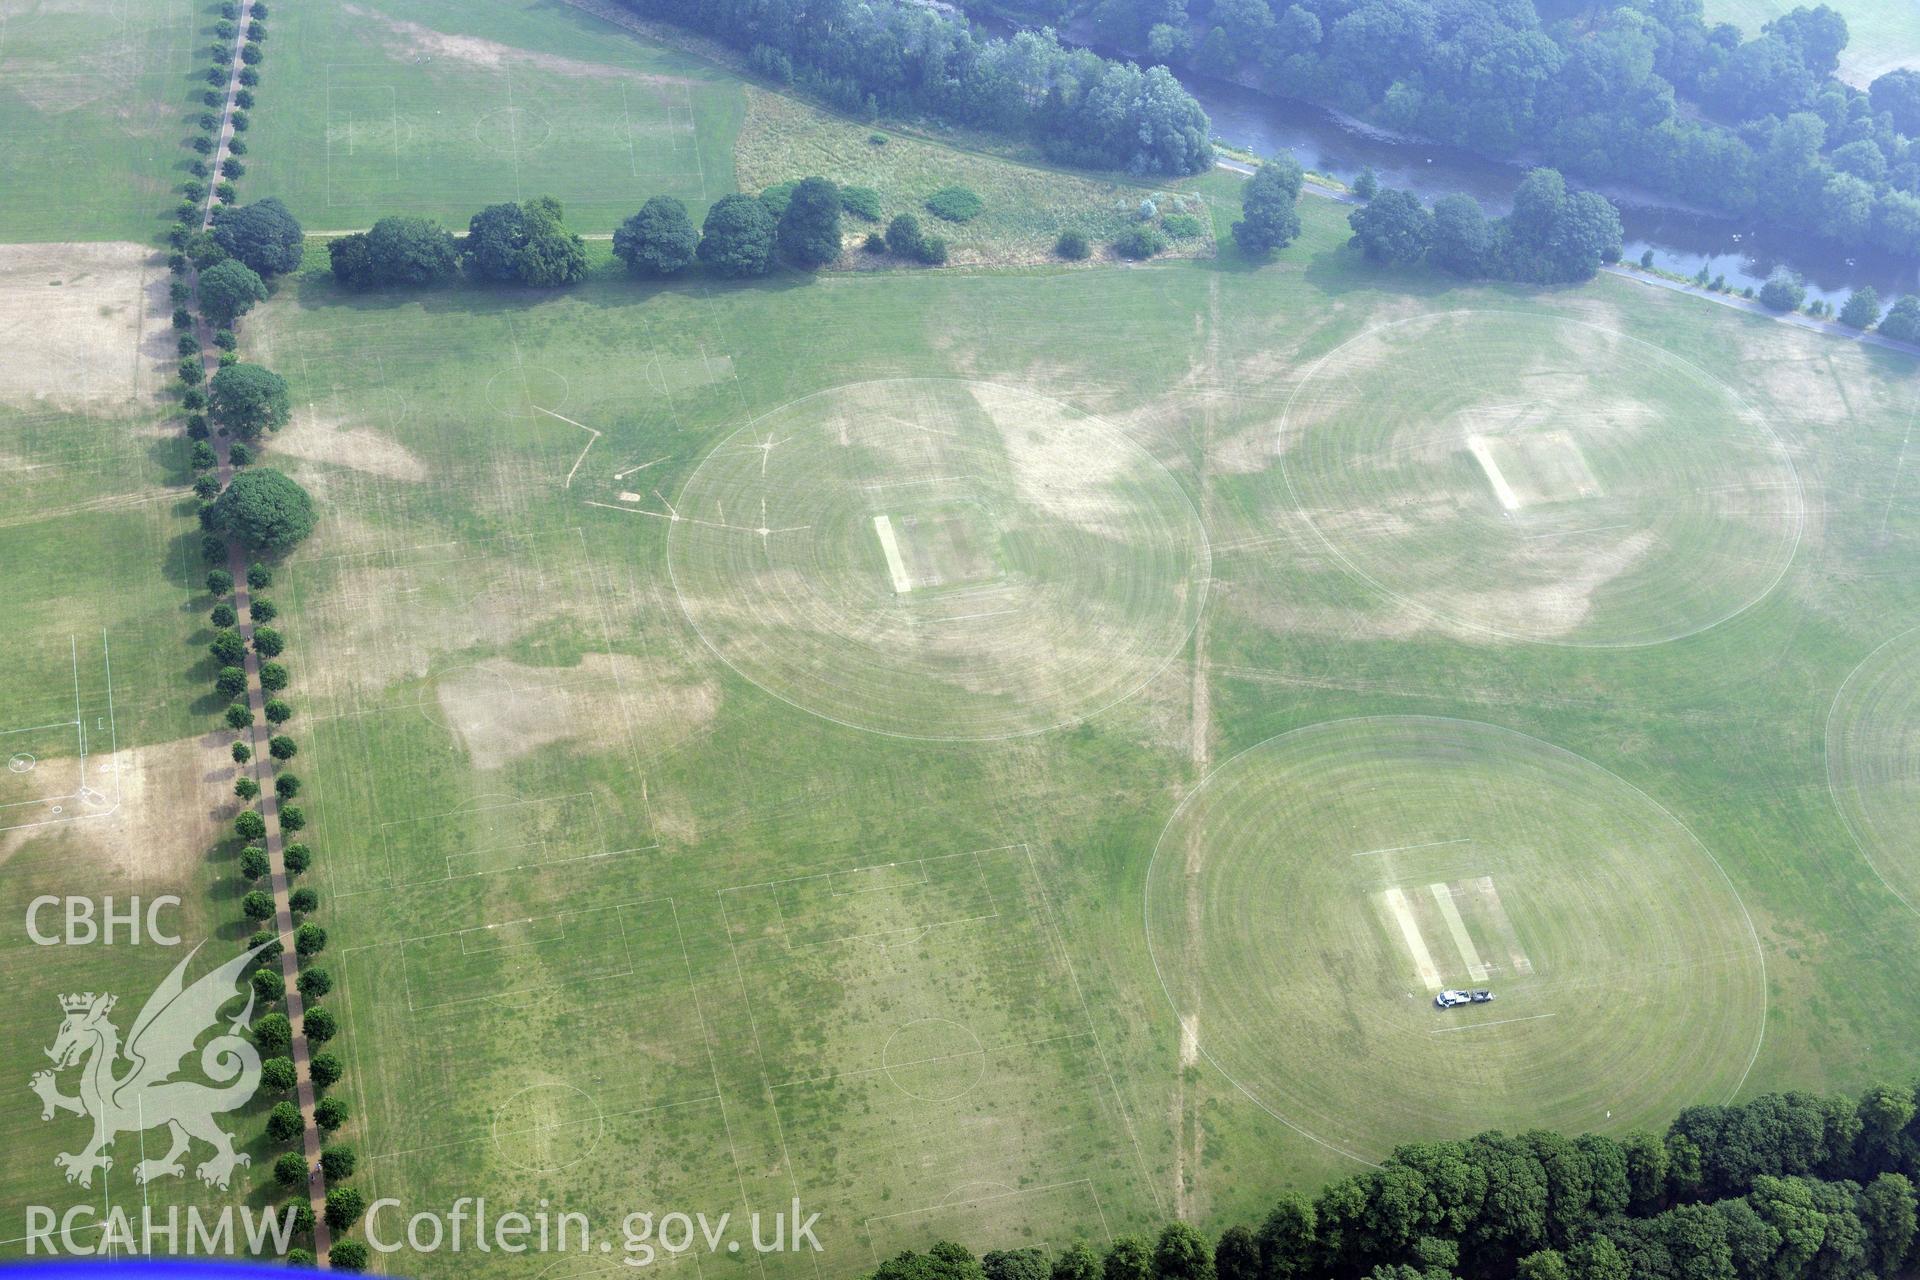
(84, 1002)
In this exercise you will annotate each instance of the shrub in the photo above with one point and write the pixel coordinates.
(246, 788)
(337, 1162)
(207, 121)
(278, 711)
(197, 426)
(242, 753)
(252, 54)
(239, 121)
(861, 202)
(281, 747)
(267, 642)
(228, 648)
(194, 399)
(1782, 294)
(933, 251)
(182, 318)
(874, 243)
(904, 236)
(249, 76)
(314, 983)
(284, 1123)
(309, 939)
(216, 75)
(240, 453)
(233, 168)
(286, 786)
(348, 1255)
(1902, 321)
(236, 147)
(278, 1074)
(264, 610)
(243, 98)
(204, 145)
(297, 857)
(213, 548)
(188, 345)
(273, 676)
(1181, 226)
(1139, 242)
(955, 204)
(206, 486)
(254, 862)
(224, 192)
(272, 1032)
(344, 1204)
(232, 681)
(775, 65)
(239, 716)
(293, 818)
(659, 240)
(258, 905)
(259, 577)
(192, 371)
(219, 583)
(325, 1070)
(224, 339)
(320, 1026)
(249, 825)
(1862, 308)
(290, 1170)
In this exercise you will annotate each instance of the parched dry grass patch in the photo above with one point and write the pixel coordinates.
(85, 325)
(1027, 207)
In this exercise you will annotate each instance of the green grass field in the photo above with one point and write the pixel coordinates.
(438, 109)
(566, 744)
(95, 99)
(1882, 34)
(1002, 753)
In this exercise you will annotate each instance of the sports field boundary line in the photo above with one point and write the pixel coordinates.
(1498, 1022)
(1833, 783)
(984, 1051)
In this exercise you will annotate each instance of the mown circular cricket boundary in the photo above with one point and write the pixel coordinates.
(1533, 477)
(1282, 895)
(1873, 762)
(940, 559)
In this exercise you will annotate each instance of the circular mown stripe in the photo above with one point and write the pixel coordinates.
(938, 559)
(1539, 478)
(1873, 762)
(1295, 899)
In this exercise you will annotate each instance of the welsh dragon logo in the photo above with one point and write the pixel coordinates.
(145, 1094)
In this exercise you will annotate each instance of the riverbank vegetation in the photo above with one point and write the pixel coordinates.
(1644, 93)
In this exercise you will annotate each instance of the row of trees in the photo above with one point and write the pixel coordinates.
(905, 58)
(1641, 91)
(1785, 1187)
(223, 264)
(1553, 235)
(798, 223)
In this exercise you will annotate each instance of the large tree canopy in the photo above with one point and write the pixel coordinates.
(263, 235)
(248, 399)
(737, 239)
(808, 233)
(657, 241)
(525, 244)
(1270, 218)
(228, 290)
(396, 251)
(265, 509)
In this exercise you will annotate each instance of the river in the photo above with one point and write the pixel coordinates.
(1682, 241)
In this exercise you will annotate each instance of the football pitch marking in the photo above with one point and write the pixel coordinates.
(890, 547)
(30, 753)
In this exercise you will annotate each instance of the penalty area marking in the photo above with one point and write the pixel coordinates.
(890, 545)
(1410, 930)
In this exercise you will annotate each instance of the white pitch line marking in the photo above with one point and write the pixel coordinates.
(622, 475)
(1402, 848)
(1481, 1026)
(583, 453)
(1416, 945)
(1450, 912)
(890, 546)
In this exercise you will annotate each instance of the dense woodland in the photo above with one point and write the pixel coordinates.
(1640, 91)
(905, 58)
(1783, 1187)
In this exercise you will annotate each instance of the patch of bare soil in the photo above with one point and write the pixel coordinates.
(316, 439)
(173, 802)
(85, 326)
(424, 43)
(501, 710)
